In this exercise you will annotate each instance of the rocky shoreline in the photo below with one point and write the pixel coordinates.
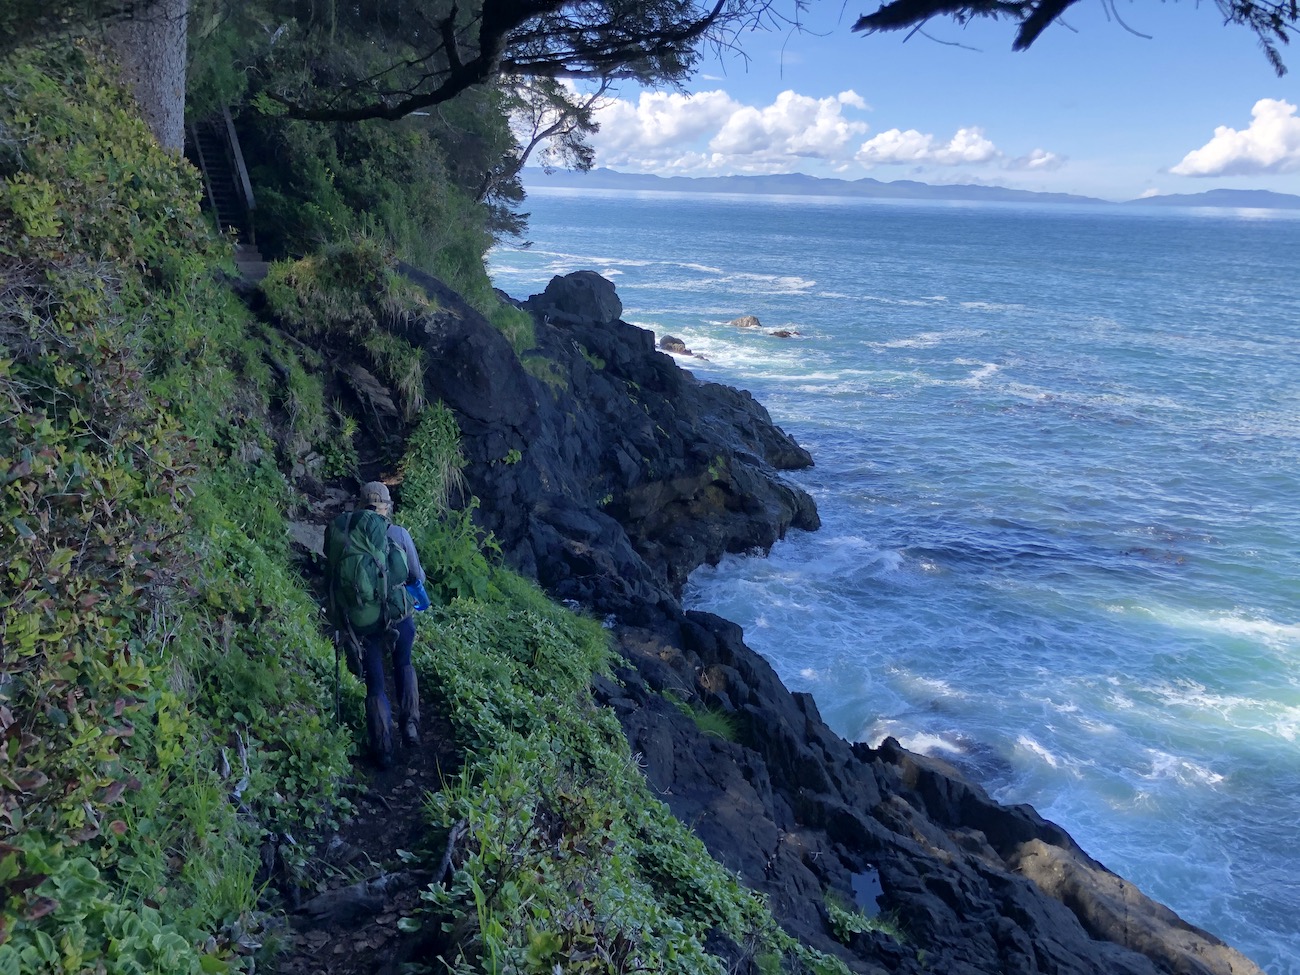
(608, 473)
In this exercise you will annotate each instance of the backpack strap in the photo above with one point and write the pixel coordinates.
(381, 564)
(384, 617)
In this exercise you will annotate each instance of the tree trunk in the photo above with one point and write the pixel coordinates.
(150, 44)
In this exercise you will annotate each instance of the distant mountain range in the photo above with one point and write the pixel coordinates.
(797, 184)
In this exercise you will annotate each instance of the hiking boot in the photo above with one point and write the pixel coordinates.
(409, 703)
(379, 729)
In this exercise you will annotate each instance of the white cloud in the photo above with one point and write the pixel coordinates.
(967, 146)
(896, 147)
(1039, 161)
(1270, 144)
(712, 133)
(660, 119)
(793, 125)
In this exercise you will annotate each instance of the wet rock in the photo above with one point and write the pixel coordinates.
(746, 321)
(671, 343)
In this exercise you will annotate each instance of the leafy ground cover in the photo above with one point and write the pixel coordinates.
(169, 753)
(162, 702)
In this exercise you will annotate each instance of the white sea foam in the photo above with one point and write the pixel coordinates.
(1273, 715)
(1096, 727)
(1181, 770)
(928, 744)
(569, 258)
(1127, 402)
(781, 282)
(990, 306)
(984, 371)
(925, 340)
(929, 687)
(1275, 636)
(921, 742)
(812, 380)
(1038, 751)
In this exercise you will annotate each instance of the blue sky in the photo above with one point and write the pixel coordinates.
(1094, 109)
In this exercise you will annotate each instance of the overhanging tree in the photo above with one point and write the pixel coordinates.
(425, 52)
(1274, 22)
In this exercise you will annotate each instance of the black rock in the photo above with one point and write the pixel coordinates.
(608, 473)
(580, 298)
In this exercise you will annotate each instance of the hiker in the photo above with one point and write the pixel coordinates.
(376, 583)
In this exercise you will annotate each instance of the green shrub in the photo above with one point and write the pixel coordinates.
(159, 653)
(548, 371)
(516, 325)
(846, 921)
(451, 545)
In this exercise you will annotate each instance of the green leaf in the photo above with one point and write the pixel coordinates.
(410, 925)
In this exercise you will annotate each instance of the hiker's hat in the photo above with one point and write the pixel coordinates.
(375, 494)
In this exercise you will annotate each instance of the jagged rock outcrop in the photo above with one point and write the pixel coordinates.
(609, 473)
(580, 298)
(797, 811)
(604, 469)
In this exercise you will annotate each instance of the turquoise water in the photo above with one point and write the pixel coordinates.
(1058, 466)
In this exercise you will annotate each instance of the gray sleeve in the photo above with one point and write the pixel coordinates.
(414, 570)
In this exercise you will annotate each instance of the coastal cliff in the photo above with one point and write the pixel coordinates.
(613, 476)
(181, 789)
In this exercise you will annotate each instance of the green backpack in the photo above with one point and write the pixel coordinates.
(367, 573)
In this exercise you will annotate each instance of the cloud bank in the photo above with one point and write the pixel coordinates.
(711, 133)
(1270, 144)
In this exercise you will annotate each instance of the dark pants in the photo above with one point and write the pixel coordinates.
(372, 664)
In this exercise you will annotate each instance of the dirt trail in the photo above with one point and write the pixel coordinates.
(350, 926)
(347, 923)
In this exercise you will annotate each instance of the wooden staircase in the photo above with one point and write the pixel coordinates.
(213, 146)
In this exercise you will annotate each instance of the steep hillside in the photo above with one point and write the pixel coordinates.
(174, 772)
(611, 785)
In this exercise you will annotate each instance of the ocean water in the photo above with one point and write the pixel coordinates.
(1058, 465)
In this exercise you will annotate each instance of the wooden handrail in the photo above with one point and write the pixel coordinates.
(203, 165)
(238, 155)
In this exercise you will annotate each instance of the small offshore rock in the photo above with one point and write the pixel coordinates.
(671, 343)
(786, 333)
(746, 321)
